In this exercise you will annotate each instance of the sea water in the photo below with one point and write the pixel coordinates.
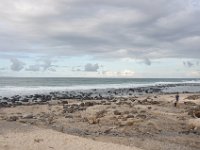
(12, 86)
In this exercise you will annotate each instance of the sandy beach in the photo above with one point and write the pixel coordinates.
(148, 122)
(99, 75)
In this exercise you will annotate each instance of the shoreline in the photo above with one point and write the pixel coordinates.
(97, 94)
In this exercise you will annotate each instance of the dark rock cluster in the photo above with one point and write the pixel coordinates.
(95, 94)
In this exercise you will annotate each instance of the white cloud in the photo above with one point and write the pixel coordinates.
(124, 73)
(194, 74)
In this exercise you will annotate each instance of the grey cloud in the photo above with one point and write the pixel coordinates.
(160, 29)
(76, 68)
(91, 67)
(16, 65)
(35, 67)
(52, 69)
(46, 64)
(191, 63)
(2, 68)
(42, 65)
(188, 64)
(147, 61)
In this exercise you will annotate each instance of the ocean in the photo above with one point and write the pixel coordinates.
(21, 86)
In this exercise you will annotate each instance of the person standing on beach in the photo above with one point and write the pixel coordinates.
(177, 99)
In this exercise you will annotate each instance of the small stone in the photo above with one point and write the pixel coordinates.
(87, 104)
(27, 116)
(130, 116)
(64, 102)
(126, 112)
(116, 112)
(141, 116)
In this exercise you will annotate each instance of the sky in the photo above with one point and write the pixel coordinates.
(100, 38)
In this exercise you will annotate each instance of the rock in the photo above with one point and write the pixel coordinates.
(29, 121)
(25, 100)
(194, 124)
(93, 120)
(116, 112)
(107, 103)
(154, 102)
(82, 105)
(107, 131)
(130, 116)
(134, 111)
(143, 111)
(114, 101)
(12, 118)
(118, 103)
(193, 97)
(195, 112)
(141, 116)
(71, 108)
(3, 104)
(129, 123)
(64, 102)
(190, 103)
(100, 114)
(68, 116)
(126, 112)
(87, 104)
(27, 116)
(5, 98)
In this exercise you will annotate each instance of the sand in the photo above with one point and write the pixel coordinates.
(35, 138)
(148, 122)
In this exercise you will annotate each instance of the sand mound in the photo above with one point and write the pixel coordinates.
(47, 139)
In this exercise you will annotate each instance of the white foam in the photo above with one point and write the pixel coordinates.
(19, 90)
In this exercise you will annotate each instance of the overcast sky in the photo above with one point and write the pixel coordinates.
(100, 38)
